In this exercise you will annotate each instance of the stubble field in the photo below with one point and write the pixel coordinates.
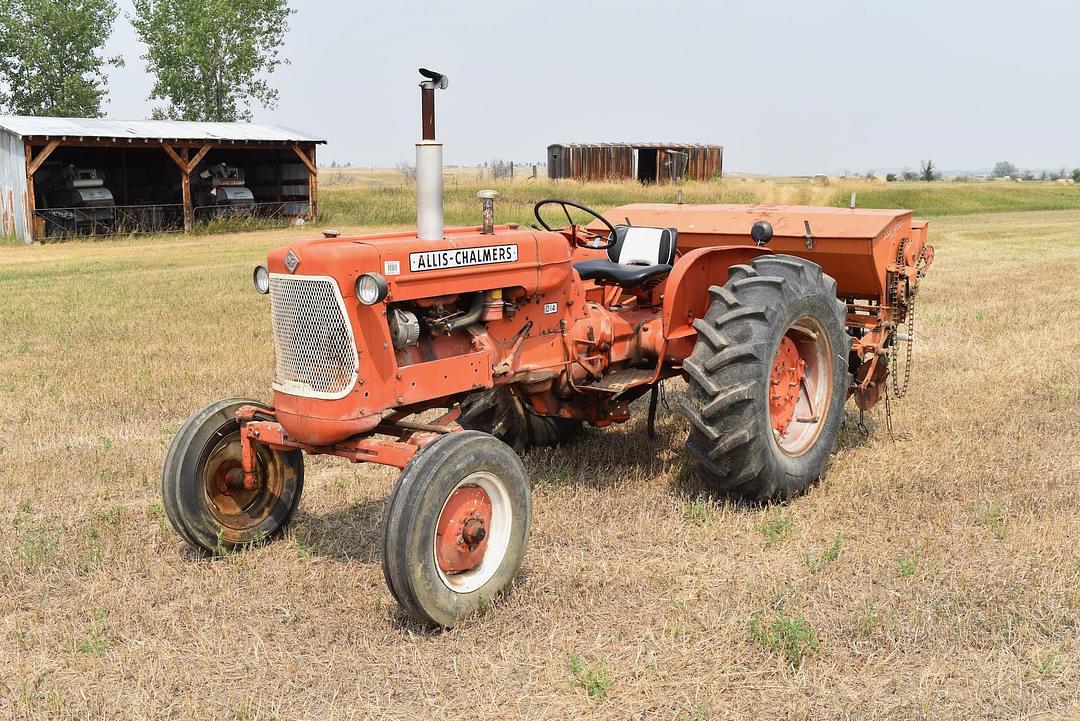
(934, 573)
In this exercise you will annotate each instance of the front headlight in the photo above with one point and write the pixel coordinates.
(371, 288)
(261, 279)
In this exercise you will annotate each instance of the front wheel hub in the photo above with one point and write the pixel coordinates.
(462, 532)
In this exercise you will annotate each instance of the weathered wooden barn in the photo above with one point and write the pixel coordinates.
(75, 176)
(645, 162)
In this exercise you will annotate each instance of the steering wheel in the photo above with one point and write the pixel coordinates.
(589, 239)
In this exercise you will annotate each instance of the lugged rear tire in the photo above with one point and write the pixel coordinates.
(737, 367)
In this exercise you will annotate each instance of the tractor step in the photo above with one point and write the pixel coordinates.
(619, 381)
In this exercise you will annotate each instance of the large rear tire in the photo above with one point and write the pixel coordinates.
(456, 527)
(202, 489)
(767, 379)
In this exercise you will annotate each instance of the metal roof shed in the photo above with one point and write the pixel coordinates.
(150, 164)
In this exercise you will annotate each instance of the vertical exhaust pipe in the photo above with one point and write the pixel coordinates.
(429, 164)
(487, 199)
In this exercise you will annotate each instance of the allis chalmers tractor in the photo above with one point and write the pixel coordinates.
(439, 351)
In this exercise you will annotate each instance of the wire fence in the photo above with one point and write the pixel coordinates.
(54, 224)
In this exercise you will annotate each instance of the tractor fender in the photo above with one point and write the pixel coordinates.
(686, 293)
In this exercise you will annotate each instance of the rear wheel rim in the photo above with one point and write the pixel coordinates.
(800, 386)
(472, 534)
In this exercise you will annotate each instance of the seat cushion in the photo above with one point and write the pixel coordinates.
(623, 275)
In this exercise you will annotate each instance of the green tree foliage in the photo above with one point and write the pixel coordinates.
(1005, 169)
(50, 56)
(1076, 175)
(211, 59)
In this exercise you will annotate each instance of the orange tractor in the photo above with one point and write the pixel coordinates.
(442, 351)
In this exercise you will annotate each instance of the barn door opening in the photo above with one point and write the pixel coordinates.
(646, 165)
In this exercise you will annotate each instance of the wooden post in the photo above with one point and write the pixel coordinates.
(186, 166)
(313, 187)
(185, 191)
(313, 178)
(31, 199)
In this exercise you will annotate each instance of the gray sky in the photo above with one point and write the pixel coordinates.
(787, 86)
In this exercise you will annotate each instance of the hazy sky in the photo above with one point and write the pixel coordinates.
(791, 86)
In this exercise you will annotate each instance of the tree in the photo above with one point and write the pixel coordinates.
(211, 59)
(927, 171)
(1004, 169)
(1076, 175)
(50, 56)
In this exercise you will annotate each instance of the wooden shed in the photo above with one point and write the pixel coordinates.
(77, 176)
(645, 162)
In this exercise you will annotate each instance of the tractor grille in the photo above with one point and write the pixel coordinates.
(313, 342)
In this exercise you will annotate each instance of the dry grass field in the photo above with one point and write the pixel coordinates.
(934, 574)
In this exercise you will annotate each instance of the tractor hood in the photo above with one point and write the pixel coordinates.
(465, 261)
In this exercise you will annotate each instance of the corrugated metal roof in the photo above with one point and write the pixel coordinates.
(151, 130)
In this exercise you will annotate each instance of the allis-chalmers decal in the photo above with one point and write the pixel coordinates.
(459, 257)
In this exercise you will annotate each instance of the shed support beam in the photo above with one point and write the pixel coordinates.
(31, 198)
(313, 179)
(186, 166)
(32, 164)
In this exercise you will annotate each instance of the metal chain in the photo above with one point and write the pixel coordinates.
(900, 389)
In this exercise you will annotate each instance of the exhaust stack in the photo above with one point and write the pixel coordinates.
(429, 165)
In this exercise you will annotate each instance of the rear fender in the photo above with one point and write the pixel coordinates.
(686, 293)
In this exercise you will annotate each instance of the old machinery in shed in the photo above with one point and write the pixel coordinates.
(79, 203)
(440, 350)
(221, 192)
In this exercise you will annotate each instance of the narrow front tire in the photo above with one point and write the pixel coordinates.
(202, 482)
(456, 527)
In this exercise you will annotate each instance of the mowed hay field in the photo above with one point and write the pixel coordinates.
(934, 573)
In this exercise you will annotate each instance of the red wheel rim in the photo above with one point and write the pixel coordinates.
(785, 384)
(800, 386)
(461, 535)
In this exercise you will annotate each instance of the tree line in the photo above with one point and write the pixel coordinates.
(1004, 169)
(209, 60)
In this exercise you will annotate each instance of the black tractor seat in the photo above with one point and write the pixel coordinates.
(639, 257)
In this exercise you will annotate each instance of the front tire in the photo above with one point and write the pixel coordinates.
(201, 482)
(767, 379)
(456, 527)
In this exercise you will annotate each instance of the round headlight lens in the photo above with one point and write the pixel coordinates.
(261, 279)
(371, 288)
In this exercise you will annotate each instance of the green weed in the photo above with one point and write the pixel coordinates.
(791, 637)
(37, 545)
(303, 549)
(1048, 665)
(95, 641)
(993, 518)
(868, 620)
(816, 562)
(699, 512)
(777, 529)
(595, 679)
(909, 565)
